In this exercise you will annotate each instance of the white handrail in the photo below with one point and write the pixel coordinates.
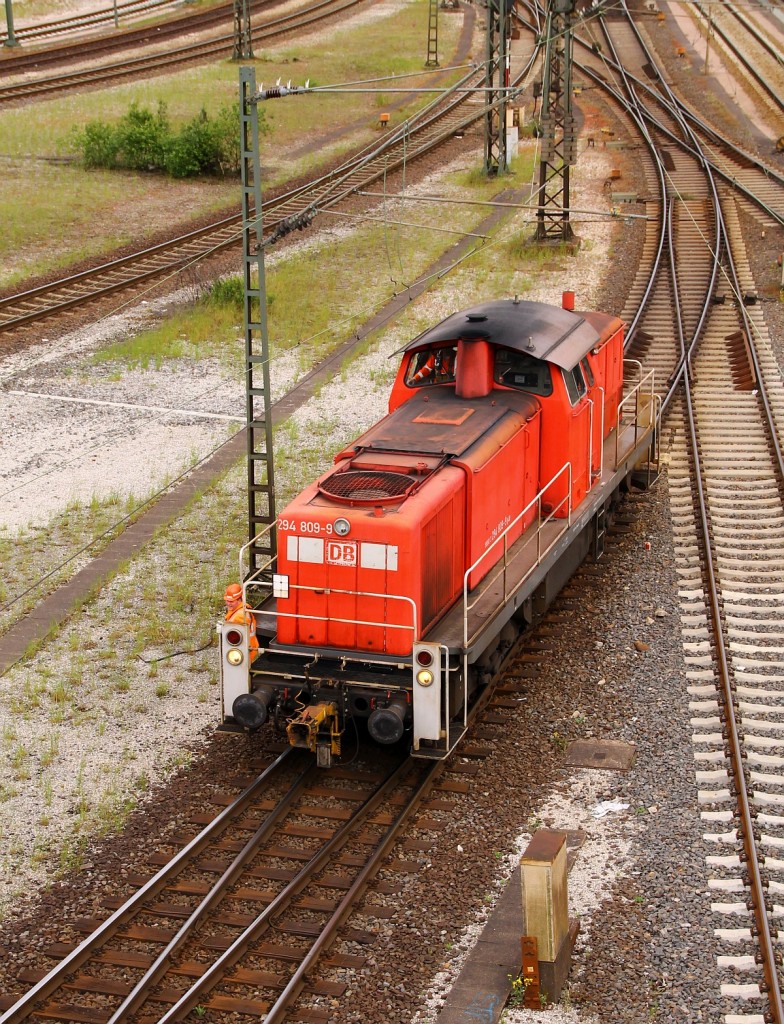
(633, 362)
(255, 540)
(354, 622)
(636, 393)
(590, 446)
(566, 468)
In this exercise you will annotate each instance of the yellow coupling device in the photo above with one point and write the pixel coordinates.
(316, 727)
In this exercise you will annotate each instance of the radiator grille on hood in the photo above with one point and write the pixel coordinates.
(368, 486)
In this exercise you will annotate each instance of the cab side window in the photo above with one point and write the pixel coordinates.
(575, 384)
(587, 371)
(522, 371)
(432, 366)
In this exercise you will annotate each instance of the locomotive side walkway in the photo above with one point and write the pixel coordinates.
(54, 609)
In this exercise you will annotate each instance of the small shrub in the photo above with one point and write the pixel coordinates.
(98, 143)
(145, 141)
(142, 138)
(228, 291)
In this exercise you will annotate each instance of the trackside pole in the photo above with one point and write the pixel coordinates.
(10, 39)
(559, 140)
(261, 476)
(497, 84)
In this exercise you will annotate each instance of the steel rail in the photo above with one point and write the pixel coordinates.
(160, 61)
(25, 1004)
(240, 946)
(747, 62)
(159, 967)
(77, 21)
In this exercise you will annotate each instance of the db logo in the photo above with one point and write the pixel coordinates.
(342, 552)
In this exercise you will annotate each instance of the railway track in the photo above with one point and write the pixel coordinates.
(435, 125)
(105, 16)
(758, 53)
(24, 61)
(728, 506)
(729, 519)
(214, 46)
(270, 882)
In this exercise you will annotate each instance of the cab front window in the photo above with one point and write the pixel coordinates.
(522, 371)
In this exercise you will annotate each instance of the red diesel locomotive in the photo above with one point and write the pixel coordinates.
(404, 573)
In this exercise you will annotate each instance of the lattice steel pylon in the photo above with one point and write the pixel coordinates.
(432, 35)
(497, 84)
(558, 141)
(243, 42)
(261, 476)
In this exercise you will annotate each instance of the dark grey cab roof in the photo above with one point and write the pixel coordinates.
(546, 332)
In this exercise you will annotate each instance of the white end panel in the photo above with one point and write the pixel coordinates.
(427, 699)
(235, 679)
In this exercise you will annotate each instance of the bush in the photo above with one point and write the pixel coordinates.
(142, 138)
(98, 144)
(144, 141)
(228, 291)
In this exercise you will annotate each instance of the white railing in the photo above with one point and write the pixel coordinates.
(601, 438)
(244, 548)
(504, 538)
(636, 364)
(356, 622)
(645, 400)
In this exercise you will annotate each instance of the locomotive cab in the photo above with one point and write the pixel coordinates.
(403, 572)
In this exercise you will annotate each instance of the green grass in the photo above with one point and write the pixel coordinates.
(74, 214)
(328, 291)
(27, 555)
(72, 211)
